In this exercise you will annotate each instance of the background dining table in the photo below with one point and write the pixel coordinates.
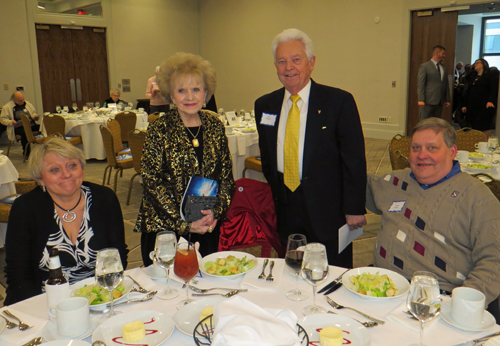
(389, 334)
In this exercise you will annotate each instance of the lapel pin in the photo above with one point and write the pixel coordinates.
(319, 111)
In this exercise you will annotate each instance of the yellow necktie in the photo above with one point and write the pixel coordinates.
(291, 157)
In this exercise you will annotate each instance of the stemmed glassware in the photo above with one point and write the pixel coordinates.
(164, 254)
(293, 259)
(315, 271)
(186, 267)
(97, 105)
(492, 145)
(58, 109)
(109, 272)
(424, 300)
(65, 110)
(74, 106)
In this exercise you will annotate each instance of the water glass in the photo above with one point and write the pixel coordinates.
(315, 271)
(164, 254)
(109, 272)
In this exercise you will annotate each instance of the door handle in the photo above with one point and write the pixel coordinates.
(73, 89)
(78, 89)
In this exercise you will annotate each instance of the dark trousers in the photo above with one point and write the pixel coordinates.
(292, 217)
(24, 141)
(429, 111)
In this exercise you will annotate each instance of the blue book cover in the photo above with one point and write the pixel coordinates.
(199, 186)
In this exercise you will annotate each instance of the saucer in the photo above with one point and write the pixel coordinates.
(488, 320)
(487, 152)
(50, 331)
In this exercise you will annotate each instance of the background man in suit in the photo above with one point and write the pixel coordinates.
(312, 150)
(433, 85)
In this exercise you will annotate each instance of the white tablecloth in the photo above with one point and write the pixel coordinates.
(243, 145)
(8, 178)
(389, 334)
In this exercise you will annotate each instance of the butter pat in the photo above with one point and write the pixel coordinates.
(133, 331)
(331, 336)
(206, 312)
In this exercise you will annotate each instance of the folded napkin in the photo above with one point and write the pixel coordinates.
(17, 337)
(143, 279)
(251, 280)
(399, 316)
(240, 322)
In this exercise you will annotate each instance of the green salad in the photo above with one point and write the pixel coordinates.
(98, 295)
(478, 166)
(229, 265)
(374, 285)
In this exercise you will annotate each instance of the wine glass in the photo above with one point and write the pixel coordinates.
(109, 272)
(293, 259)
(58, 109)
(97, 104)
(492, 145)
(65, 110)
(186, 267)
(424, 301)
(314, 270)
(164, 254)
(74, 106)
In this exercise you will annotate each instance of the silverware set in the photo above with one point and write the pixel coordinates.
(10, 324)
(140, 289)
(365, 324)
(338, 306)
(205, 290)
(263, 274)
(34, 341)
(226, 295)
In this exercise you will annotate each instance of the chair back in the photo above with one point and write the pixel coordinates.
(491, 182)
(467, 139)
(127, 121)
(27, 128)
(107, 140)
(153, 117)
(116, 133)
(54, 124)
(136, 142)
(399, 151)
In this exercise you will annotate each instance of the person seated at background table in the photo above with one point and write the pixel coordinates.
(114, 98)
(11, 117)
(187, 141)
(437, 218)
(79, 218)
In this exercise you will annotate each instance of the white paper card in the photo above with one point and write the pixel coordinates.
(231, 118)
(346, 236)
(397, 206)
(268, 119)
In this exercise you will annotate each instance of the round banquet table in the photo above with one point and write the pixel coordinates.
(8, 178)
(390, 334)
(243, 144)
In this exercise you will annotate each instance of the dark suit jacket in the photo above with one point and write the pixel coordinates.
(334, 164)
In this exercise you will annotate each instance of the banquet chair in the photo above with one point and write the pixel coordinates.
(114, 127)
(467, 139)
(136, 142)
(252, 163)
(153, 117)
(399, 151)
(127, 121)
(55, 124)
(18, 138)
(251, 221)
(30, 135)
(22, 186)
(118, 162)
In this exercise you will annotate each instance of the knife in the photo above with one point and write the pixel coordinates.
(334, 288)
(333, 283)
(476, 341)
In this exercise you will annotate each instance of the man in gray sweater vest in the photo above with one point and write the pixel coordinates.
(437, 218)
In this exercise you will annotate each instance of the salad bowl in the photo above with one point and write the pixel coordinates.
(223, 254)
(127, 284)
(399, 281)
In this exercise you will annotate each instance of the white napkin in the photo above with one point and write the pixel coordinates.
(240, 322)
(251, 280)
(399, 316)
(143, 279)
(17, 337)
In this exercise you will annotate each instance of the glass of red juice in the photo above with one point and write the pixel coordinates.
(186, 267)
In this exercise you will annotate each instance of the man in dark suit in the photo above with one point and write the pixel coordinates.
(432, 87)
(312, 149)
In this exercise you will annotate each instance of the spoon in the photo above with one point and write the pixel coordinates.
(98, 343)
(227, 295)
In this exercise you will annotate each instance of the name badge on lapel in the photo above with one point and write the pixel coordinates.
(396, 206)
(268, 119)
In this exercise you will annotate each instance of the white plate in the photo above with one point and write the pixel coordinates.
(3, 323)
(478, 170)
(127, 283)
(493, 342)
(354, 333)
(488, 319)
(474, 158)
(399, 280)
(188, 317)
(159, 327)
(151, 273)
(487, 152)
(50, 331)
(223, 254)
(66, 343)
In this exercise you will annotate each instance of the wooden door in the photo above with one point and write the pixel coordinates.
(72, 56)
(428, 29)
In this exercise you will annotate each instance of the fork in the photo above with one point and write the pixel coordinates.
(34, 341)
(22, 325)
(270, 277)
(10, 324)
(263, 274)
(140, 289)
(227, 295)
(338, 306)
(205, 290)
(366, 324)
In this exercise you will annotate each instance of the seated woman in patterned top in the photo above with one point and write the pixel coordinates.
(79, 218)
(186, 141)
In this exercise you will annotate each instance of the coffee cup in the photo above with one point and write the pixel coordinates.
(467, 306)
(229, 130)
(463, 156)
(72, 316)
(159, 271)
(482, 146)
(141, 110)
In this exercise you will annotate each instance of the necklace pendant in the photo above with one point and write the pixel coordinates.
(69, 216)
(196, 143)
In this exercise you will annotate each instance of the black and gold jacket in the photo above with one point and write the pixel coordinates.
(169, 161)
